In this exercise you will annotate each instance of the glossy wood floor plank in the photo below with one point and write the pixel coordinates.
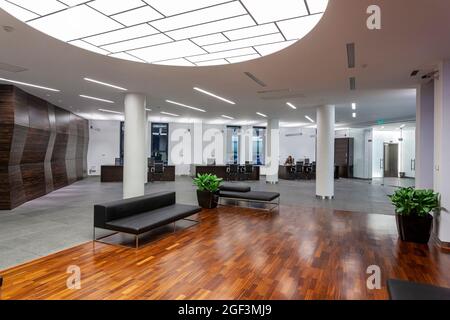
(240, 253)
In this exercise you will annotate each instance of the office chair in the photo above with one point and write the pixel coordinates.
(157, 171)
(313, 170)
(248, 171)
(299, 170)
(232, 172)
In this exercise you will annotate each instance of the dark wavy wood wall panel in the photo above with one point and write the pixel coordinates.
(42, 147)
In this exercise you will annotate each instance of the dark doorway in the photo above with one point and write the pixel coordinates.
(391, 160)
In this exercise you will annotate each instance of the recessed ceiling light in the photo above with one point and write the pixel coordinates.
(227, 117)
(261, 114)
(169, 114)
(213, 95)
(109, 111)
(105, 84)
(185, 105)
(291, 105)
(354, 115)
(96, 99)
(147, 109)
(309, 118)
(245, 24)
(402, 126)
(29, 85)
(353, 106)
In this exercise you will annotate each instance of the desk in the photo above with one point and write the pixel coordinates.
(286, 173)
(221, 171)
(115, 174)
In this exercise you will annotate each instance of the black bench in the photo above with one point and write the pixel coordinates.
(139, 215)
(406, 290)
(240, 192)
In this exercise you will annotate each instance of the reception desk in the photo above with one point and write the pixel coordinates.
(115, 174)
(221, 171)
(288, 173)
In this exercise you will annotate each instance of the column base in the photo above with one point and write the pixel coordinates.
(325, 197)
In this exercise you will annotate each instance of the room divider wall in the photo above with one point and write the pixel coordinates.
(42, 147)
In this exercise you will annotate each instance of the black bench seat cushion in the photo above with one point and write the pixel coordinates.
(251, 195)
(406, 290)
(234, 187)
(146, 221)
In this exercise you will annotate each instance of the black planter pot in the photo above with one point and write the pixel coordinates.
(414, 229)
(207, 199)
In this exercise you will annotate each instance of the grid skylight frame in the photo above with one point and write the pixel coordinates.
(233, 26)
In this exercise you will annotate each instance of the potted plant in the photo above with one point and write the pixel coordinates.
(413, 208)
(207, 190)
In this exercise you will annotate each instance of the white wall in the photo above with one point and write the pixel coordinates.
(104, 144)
(299, 146)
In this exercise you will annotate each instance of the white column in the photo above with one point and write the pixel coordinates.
(272, 150)
(442, 149)
(134, 146)
(425, 136)
(325, 152)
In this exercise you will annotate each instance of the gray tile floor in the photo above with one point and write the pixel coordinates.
(64, 218)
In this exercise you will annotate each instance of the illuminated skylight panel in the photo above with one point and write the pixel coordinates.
(188, 19)
(243, 58)
(244, 43)
(18, 12)
(74, 23)
(125, 56)
(40, 7)
(172, 50)
(216, 62)
(210, 39)
(137, 16)
(138, 31)
(72, 3)
(269, 11)
(317, 6)
(84, 45)
(295, 29)
(221, 55)
(267, 49)
(138, 43)
(176, 62)
(168, 8)
(212, 27)
(186, 33)
(110, 7)
(254, 31)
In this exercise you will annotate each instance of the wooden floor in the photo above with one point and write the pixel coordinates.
(298, 253)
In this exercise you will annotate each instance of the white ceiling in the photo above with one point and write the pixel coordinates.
(311, 72)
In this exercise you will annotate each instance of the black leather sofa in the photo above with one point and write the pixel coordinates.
(139, 215)
(242, 192)
(407, 290)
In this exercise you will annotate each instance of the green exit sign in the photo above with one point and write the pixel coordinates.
(380, 122)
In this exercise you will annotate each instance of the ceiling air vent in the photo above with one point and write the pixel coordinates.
(255, 79)
(351, 55)
(11, 68)
(352, 83)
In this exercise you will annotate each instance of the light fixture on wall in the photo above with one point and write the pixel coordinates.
(29, 85)
(309, 119)
(261, 114)
(96, 99)
(110, 111)
(213, 95)
(184, 105)
(105, 84)
(291, 105)
(354, 115)
(353, 106)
